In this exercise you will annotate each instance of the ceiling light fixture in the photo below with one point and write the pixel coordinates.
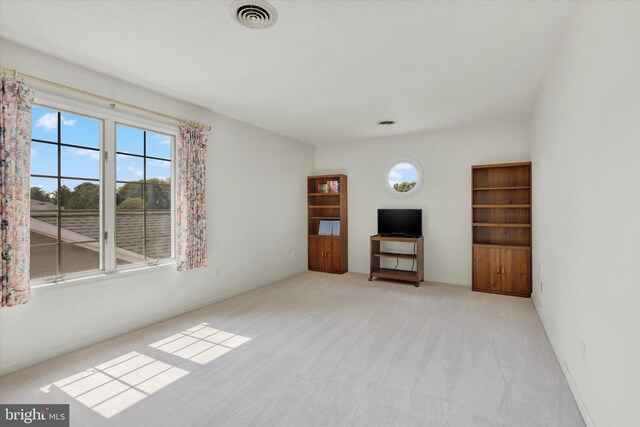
(256, 14)
(387, 122)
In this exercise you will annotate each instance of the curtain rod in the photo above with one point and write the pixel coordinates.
(112, 102)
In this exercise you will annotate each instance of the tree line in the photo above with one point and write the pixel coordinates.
(403, 187)
(129, 196)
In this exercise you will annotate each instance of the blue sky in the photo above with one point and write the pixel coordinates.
(85, 164)
(403, 172)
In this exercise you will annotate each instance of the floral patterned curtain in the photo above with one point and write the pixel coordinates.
(191, 229)
(15, 201)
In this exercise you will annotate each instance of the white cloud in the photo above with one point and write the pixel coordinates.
(134, 170)
(93, 155)
(394, 175)
(68, 122)
(159, 163)
(34, 152)
(48, 122)
(162, 139)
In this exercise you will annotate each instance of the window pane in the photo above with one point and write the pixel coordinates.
(79, 257)
(129, 196)
(44, 227)
(158, 196)
(129, 140)
(79, 130)
(129, 237)
(80, 163)
(143, 195)
(78, 194)
(129, 225)
(158, 171)
(43, 193)
(158, 247)
(79, 226)
(158, 239)
(45, 124)
(402, 177)
(44, 159)
(129, 168)
(43, 260)
(159, 145)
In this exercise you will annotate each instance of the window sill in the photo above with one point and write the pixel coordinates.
(100, 276)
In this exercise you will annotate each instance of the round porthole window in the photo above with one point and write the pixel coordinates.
(404, 177)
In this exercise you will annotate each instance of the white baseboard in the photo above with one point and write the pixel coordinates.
(447, 281)
(582, 406)
(93, 339)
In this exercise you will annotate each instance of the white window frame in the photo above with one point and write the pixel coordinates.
(109, 118)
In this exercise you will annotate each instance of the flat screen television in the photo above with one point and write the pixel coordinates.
(400, 222)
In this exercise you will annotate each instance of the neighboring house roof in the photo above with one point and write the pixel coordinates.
(83, 226)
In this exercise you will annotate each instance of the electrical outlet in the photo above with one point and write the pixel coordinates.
(583, 351)
(216, 273)
(540, 276)
(293, 254)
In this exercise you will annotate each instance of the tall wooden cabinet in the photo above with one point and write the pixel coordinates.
(327, 253)
(501, 205)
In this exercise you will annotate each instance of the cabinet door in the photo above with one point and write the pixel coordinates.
(486, 269)
(316, 252)
(517, 271)
(332, 255)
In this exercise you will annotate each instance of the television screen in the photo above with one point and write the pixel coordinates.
(400, 222)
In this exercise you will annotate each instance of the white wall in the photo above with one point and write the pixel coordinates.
(586, 170)
(256, 218)
(445, 197)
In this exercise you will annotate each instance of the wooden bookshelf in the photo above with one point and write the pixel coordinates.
(327, 253)
(501, 224)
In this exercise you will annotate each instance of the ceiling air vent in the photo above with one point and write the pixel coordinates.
(257, 14)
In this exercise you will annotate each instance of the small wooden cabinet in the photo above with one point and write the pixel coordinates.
(414, 276)
(327, 253)
(501, 223)
(504, 270)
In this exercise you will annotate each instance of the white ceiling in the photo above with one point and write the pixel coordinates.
(327, 71)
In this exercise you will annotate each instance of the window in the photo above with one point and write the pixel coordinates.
(65, 193)
(80, 199)
(404, 177)
(143, 195)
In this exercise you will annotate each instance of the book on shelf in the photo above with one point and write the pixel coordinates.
(329, 228)
(329, 187)
(335, 230)
(324, 228)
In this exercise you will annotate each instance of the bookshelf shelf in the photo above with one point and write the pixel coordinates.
(394, 255)
(502, 188)
(489, 224)
(509, 206)
(327, 253)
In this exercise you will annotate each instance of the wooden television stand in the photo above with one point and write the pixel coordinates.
(414, 277)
